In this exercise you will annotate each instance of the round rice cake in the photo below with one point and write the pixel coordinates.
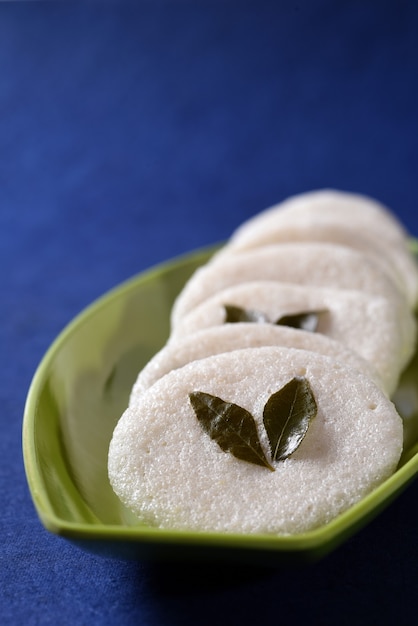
(228, 337)
(337, 207)
(315, 264)
(165, 467)
(395, 259)
(371, 326)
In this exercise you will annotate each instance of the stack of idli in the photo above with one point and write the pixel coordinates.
(269, 408)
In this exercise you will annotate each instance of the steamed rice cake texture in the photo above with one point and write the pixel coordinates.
(395, 260)
(340, 217)
(229, 337)
(314, 264)
(327, 206)
(369, 325)
(173, 475)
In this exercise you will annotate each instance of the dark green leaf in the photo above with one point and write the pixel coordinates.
(232, 427)
(304, 321)
(287, 415)
(237, 314)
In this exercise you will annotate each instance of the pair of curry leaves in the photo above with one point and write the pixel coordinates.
(286, 418)
(308, 320)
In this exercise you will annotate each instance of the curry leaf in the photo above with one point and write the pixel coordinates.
(232, 427)
(287, 415)
(237, 314)
(304, 321)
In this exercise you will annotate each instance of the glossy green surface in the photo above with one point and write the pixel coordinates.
(79, 392)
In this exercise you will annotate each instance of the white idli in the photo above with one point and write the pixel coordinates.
(371, 326)
(336, 207)
(228, 337)
(172, 475)
(396, 260)
(315, 264)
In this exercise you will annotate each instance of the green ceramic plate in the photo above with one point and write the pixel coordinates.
(79, 392)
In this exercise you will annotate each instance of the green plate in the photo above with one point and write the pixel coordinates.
(78, 393)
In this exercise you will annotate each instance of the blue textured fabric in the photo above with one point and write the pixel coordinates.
(133, 132)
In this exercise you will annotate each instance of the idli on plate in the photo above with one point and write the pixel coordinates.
(234, 336)
(314, 264)
(372, 326)
(175, 472)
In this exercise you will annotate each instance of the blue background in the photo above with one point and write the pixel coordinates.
(134, 132)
